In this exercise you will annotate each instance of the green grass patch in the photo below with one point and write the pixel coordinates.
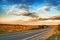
(2, 32)
(53, 37)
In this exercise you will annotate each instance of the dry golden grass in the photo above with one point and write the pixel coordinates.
(11, 28)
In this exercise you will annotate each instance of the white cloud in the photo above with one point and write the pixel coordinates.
(21, 12)
(42, 9)
(10, 10)
(16, 8)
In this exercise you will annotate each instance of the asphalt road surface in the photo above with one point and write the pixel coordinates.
(28, 35)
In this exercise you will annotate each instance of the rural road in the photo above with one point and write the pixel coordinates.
(28, 35)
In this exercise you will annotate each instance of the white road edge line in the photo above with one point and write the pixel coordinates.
(33, 36)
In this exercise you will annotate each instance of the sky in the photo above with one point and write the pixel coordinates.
(42, 8)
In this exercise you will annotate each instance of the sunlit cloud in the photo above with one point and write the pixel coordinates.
(21, 12)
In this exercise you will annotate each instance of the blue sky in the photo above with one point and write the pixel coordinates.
(53, 7)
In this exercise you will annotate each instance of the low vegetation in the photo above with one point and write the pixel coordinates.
(53, 37)
(8, 28)
(56, 35)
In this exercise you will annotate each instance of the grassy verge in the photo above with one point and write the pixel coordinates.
(53, 37)
(13, 31)
(3, 32)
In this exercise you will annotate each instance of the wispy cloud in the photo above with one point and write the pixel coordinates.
(43, 9)
(18, 7)
(5, 1)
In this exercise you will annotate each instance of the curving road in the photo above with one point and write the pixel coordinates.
(28, 35)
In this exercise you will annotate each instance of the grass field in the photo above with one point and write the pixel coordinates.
(53, 37)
